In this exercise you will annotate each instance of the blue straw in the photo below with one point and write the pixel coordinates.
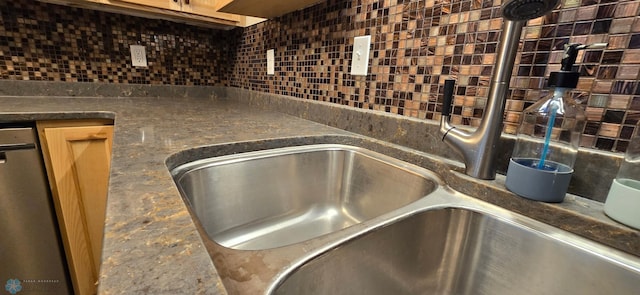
(547, 136)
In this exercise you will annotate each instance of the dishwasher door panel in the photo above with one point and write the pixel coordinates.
(30, 247)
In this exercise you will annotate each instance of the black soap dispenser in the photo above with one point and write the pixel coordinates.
(548, 138)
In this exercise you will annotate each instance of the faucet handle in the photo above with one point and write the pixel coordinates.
(571, 53)
(448, 96)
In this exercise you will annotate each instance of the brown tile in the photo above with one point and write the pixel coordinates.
(510, 128)
(605, 144)
(619, 102)
(619, 41)
(567, 15)
(571, 3)
(532, 32)
(636, 25)
(601, 26)
(582, 28)
(606, 11)
(596, 38)
(587, 141)
(627, 132)
(592, 128)
(606, 73)
(590, 84)
(632, 118)
(609, 130)
(628, 72)
(515, 105)
(594, 114)
(624, 87)
(512, 117)
(586, 12)
(634, 42)
(621, 146)
(613, 116)
(629, 9)
(631, 56)
(621, 25)
(635, 104)
(564, 30)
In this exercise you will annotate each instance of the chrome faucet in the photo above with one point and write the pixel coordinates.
(479, 148)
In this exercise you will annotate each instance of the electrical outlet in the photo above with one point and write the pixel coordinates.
(360, 56)
(138, 56)
(271, 61)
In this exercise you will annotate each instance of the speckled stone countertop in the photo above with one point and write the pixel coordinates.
(151, 244)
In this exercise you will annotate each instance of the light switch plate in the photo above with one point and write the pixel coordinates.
(271, 61)
(138, 56)
(360, 56)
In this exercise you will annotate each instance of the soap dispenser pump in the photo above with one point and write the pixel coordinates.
(548, 138)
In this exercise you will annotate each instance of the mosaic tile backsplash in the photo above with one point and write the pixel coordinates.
(415, 46)
(48, 42)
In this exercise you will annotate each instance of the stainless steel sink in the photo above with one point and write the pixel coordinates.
(272, 198)
(463, 251)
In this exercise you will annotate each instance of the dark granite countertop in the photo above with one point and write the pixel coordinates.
(151, 244)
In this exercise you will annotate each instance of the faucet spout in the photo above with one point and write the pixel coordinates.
(479, 148)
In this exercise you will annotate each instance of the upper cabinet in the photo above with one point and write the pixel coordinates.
(264, 8)
(219, 14)
(194, 12)
(206, 8)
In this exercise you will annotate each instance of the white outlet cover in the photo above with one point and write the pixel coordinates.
(138, 56)
(360, 56)
(271, 62)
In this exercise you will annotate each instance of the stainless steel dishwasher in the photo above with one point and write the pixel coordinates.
(31, 256)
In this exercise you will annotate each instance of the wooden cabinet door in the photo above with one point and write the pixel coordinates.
(78, 163)
(208, 8)
(162, 4)
(266, 8)
(194, 12)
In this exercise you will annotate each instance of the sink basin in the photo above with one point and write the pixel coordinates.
(462, 251)
(273, 198)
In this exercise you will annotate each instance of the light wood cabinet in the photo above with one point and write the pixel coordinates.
(207, 8)
(78, 158)
(195, 12)
(264, 8)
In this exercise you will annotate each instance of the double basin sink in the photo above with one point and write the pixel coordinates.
(385, 227)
